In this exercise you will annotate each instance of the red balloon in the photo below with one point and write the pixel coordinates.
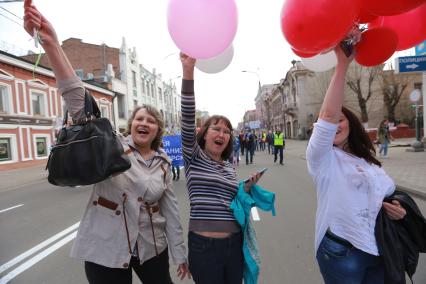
(365, 16)
(376, 46)
(390, 7)
(303, 54)
(314, 26)
(410, 27)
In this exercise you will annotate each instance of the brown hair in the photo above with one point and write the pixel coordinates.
(157, 116)
(215, 119)
(358, 141)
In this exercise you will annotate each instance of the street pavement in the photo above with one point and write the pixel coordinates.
(285, 241)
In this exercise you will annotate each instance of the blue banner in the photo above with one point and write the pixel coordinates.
(172, 145)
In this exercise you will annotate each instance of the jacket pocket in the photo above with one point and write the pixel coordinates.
(104, 218)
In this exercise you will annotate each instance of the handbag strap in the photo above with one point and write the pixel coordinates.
(91, 108)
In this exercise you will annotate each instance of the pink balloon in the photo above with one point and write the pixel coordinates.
(410, 27)
(202, 28)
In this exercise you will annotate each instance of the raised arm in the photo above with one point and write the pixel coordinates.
(333, 100)
(35, 21)
(188, 106)
(70, 86)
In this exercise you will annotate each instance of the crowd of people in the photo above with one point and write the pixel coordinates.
(132, 222)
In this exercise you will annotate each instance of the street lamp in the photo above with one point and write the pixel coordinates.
(253, 72)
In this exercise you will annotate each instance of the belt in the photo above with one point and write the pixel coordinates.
(338, 239)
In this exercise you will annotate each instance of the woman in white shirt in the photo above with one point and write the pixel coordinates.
(351, 186)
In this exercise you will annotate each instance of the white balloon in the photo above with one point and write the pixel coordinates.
(216, 64)
(320, 62)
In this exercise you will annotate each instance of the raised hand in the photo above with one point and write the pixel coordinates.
(34, 21)
(188, 64)
(342, 59)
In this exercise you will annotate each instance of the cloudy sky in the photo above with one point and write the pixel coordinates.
(258, 46)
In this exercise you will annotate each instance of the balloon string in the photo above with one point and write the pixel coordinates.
(37, 40)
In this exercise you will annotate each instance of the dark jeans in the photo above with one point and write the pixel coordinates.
(176, 172)
(343, 264)
(152, 271)
(216, 261)
(249, 155)
(270, 148)
(279, 149)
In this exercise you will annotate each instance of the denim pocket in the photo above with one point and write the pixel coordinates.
(333, 249)
(197, 244)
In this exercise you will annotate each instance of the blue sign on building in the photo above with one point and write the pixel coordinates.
(410, 64)
(421, 48)
(172, 145)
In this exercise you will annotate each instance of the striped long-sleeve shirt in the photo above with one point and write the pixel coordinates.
(211, 185)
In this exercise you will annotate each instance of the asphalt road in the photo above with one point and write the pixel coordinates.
(285, 241)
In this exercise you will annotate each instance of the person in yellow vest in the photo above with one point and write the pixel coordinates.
(279, 145)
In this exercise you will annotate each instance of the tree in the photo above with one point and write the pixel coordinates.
(392, 87)
(360, 81)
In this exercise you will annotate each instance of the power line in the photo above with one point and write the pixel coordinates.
(11, 13)
(10, 1)
(19, 24)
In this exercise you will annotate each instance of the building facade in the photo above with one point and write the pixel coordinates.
(294, 103)
(119, 70)
(31, 109)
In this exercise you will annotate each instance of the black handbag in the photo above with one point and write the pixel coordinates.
(86, 152)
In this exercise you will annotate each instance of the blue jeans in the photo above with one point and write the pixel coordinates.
(216, 261)
(384, 148)
(342, 264)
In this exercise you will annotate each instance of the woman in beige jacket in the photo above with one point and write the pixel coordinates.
(132, 219)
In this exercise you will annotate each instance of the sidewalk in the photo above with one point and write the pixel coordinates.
(407, 169)
(12, 179)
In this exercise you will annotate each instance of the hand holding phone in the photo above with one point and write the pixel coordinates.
(261, 172)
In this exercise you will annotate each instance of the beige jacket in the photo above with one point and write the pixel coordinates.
(118, 215)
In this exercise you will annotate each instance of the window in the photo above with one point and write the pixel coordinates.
(143, 85)
(4, 99)
(134, 79)
(37, 101)
(135, 103)
(160, 95)
(121, 108)
(104, 111)
(80, 73)
(5, 149)
(41, 146)
(418, 86)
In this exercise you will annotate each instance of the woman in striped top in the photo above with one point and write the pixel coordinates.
(214, 239)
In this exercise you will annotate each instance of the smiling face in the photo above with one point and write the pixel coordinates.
(144, 128)
(216, 139)
(342, 133)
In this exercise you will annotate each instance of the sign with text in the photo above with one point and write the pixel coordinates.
(172, 145)
(410, 64)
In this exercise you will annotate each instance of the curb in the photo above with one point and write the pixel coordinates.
(416, 193)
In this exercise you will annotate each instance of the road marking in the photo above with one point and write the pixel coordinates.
(255, 214)
(13, 207)
(36, 258)
(38, 247)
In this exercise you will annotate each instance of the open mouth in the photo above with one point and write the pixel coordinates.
(218, 142)
(143, 131)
